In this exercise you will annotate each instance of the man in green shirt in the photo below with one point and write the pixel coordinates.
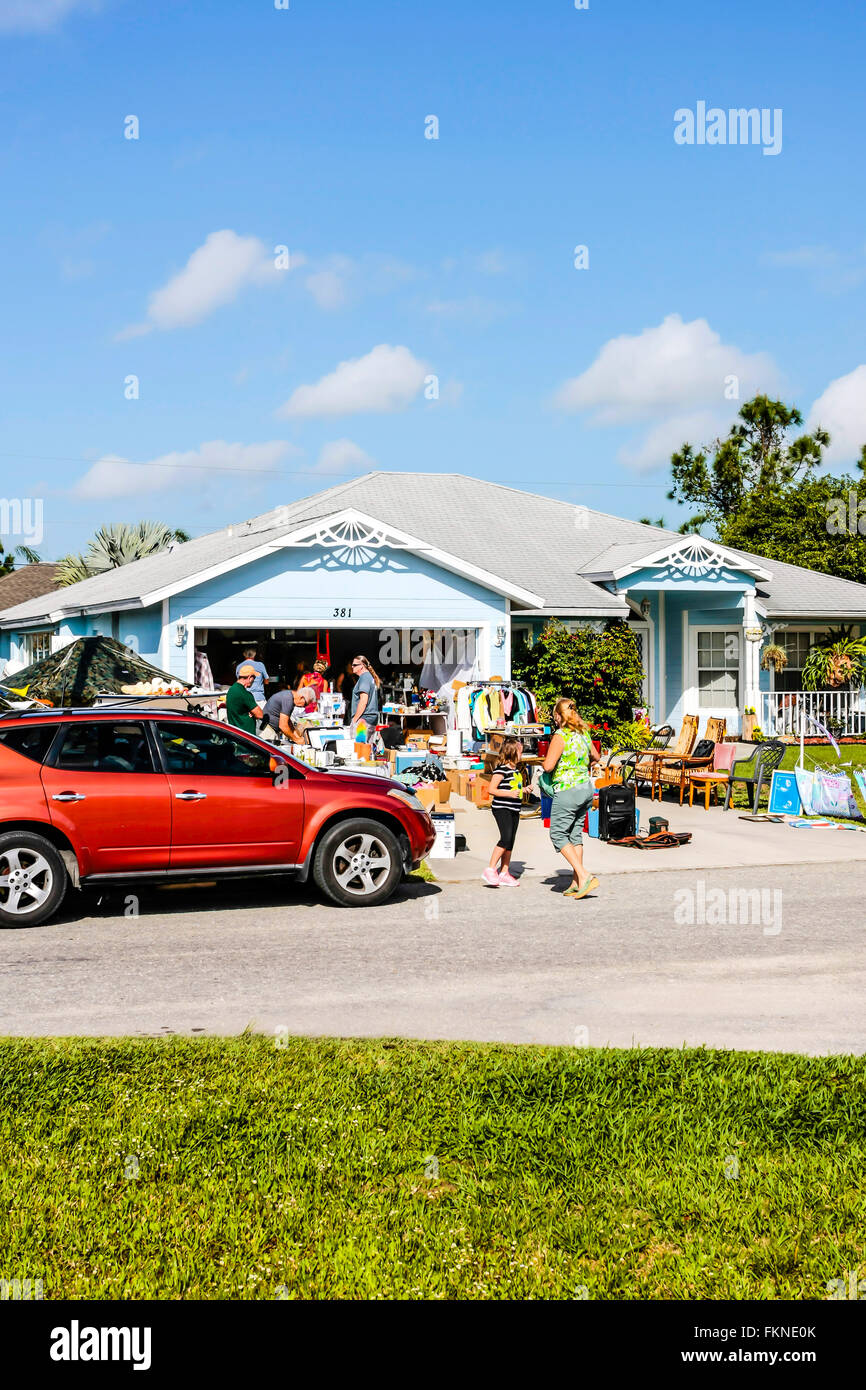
(241, 708)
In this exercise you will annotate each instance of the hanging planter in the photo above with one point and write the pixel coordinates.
(835, 664)
(776, 657)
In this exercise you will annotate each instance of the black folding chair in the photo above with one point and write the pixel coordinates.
(756, 770)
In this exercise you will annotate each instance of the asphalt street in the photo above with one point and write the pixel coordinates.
(659, 959)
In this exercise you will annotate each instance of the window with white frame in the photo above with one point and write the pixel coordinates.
(719, 669)
(35, 646)
(796, 646)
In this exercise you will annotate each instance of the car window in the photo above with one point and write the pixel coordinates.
(32, 741)
(193, 750)
(105, 747)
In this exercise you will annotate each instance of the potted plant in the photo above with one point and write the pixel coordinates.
(774, 656)
(749, 720)
(832, 664)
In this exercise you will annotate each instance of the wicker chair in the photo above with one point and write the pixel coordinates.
(676, 774)
(682, 748)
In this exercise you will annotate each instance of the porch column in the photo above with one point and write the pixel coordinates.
(751, 661)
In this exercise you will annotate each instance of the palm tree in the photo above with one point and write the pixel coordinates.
(116, 545)
(23, 552)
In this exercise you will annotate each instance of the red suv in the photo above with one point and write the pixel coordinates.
(101, 796)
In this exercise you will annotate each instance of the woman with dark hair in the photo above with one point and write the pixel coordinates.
(568, 761)
(365, 696)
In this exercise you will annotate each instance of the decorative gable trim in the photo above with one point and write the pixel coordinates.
(355, 536)
(693, 557)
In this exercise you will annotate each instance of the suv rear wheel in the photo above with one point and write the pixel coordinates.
(33, 879)
(358, 863)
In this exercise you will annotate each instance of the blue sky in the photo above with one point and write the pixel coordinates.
(413, 258)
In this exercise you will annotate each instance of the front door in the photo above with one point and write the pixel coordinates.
(226, 809)
(106, 794)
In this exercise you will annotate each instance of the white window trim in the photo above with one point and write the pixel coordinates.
(692, 693)
(811, 628)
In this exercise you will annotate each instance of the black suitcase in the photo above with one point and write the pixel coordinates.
(616, 818)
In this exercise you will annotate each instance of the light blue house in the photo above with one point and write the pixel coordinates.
(374, 564)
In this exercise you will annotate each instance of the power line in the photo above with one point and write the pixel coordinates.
(296, 472)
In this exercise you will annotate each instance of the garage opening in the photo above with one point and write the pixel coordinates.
(407, 659)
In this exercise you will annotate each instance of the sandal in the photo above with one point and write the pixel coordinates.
(573, 892)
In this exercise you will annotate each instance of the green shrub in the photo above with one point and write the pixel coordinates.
(600, 671)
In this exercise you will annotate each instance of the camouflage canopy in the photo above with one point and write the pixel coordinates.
(76, 674)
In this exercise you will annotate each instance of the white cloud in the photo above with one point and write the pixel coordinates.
(214, 275)
(112, 476)
(343, 456)
(841, 409)
(386, 379)
(655, 446)
(328, 288)
(671, 366)
(672, 382)
(831, 271)
(39, 15)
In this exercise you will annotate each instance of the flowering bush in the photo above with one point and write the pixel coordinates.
(600, 671)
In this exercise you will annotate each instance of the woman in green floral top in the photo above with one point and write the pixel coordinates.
(568, 762)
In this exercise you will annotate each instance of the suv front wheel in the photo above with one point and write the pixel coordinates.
(358, 863)
(33, 879)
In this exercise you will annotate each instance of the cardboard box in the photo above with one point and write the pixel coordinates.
(481, 789)
(458, 782)
(434, 794)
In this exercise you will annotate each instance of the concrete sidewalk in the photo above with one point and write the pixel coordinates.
(720, 840)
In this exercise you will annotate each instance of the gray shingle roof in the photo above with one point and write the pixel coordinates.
(533, 542)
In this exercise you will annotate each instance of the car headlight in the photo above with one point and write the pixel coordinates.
(408, 798)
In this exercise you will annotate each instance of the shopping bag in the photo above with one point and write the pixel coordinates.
(806, 788)
(832, 795)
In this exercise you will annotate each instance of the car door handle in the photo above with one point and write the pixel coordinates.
(69, 796)
(190, 796)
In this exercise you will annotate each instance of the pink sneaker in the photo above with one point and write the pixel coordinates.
(491, 878)
(508, 880)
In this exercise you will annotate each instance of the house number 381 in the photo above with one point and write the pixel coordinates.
(342, 612)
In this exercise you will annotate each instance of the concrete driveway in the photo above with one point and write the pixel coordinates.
(771, 958)
(720, 839)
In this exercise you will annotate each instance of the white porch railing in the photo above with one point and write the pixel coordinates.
(842, 711)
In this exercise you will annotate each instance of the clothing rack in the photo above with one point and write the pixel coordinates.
(477, 711)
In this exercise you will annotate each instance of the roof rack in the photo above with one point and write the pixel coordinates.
(91, 710)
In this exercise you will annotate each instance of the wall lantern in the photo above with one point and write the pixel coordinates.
(180, 633)
(500, 636)
(645, 607)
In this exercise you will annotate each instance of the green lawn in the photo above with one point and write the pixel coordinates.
(816, 755)
(240, 1169)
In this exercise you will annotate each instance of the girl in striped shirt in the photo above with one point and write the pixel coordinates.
(506, 790)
